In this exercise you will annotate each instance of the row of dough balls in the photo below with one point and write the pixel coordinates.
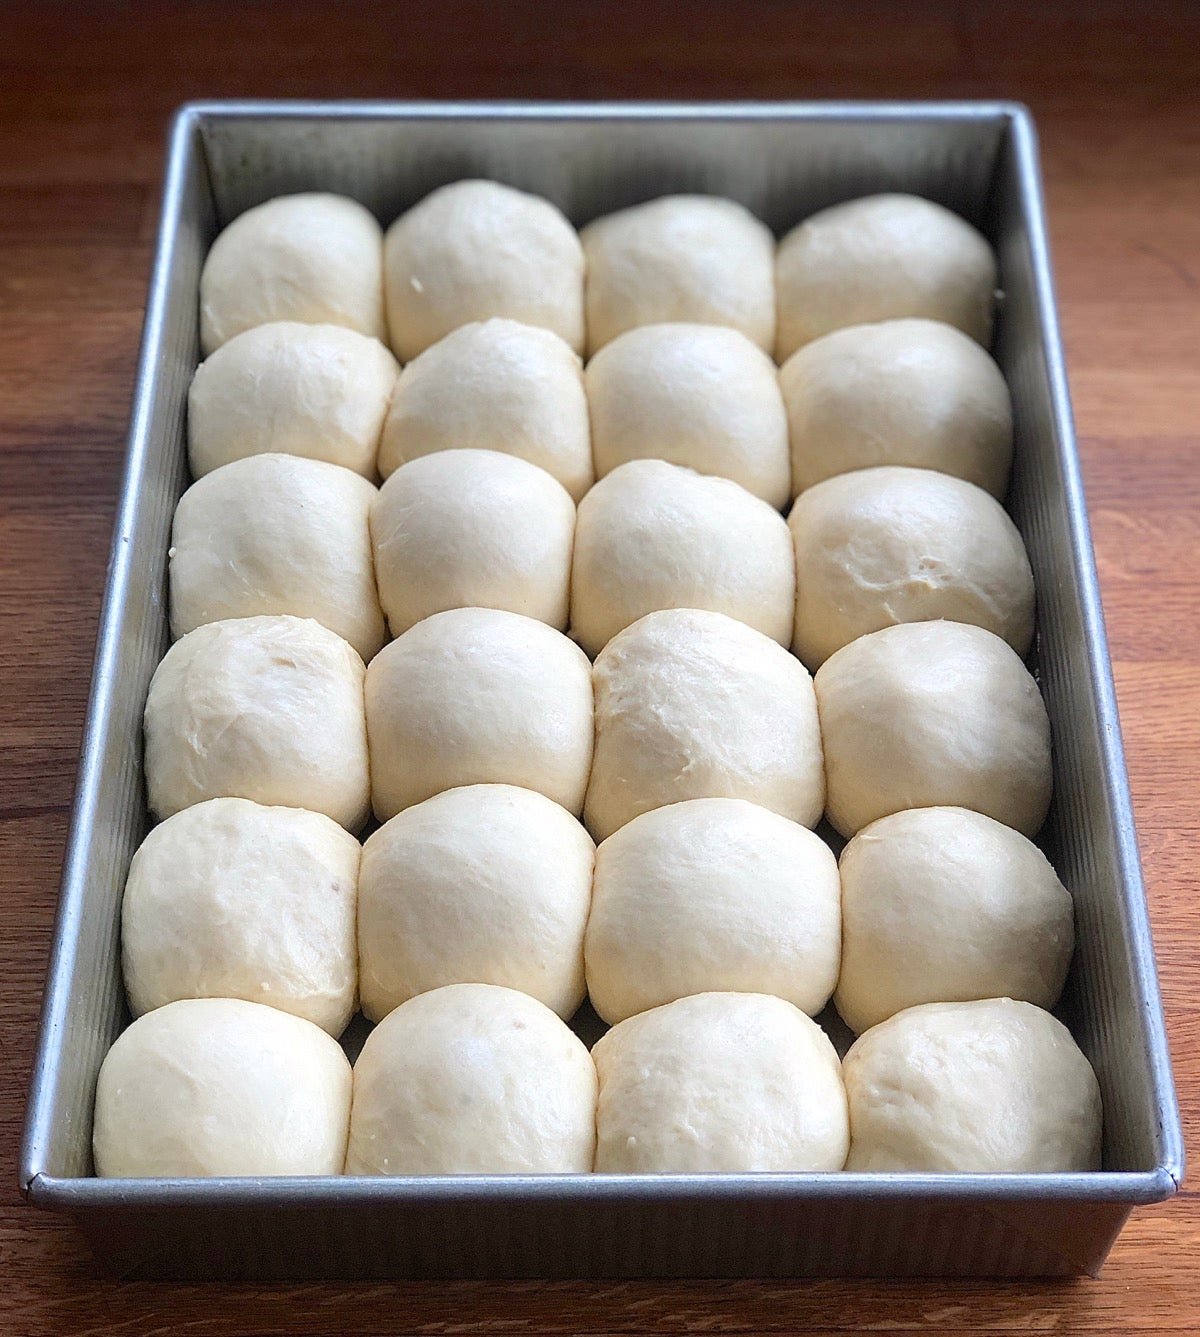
(478, 1079)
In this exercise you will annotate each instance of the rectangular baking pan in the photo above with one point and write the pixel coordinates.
(783, 162)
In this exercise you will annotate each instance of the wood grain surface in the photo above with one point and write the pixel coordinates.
(85, 91)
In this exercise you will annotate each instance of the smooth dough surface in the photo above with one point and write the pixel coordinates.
(653, 535)
(494, 385)
(476, 249)
(312, 258)
(693, 258)
(697, 395)
(472, 529)
(479, 696)
(933, 714)
(882, 546)
(987, 1087)
(263, 708)
(877, 258)
(945, 905)
(693, 704)
(485, 884)
(472, 1079)
(277, 534)
(712, 894)
(230, 899)
(219, 1086)
(719, 1083)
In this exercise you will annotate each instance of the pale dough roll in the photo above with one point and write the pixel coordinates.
(472, 1079)
(229, 899)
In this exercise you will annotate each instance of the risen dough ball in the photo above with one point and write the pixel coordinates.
(680, 258)
(653, 535)
(719, 1083)
(478, 696)
(696, 395)
(882, 546)
(277, 534)
(264, 708)
(877, 258)
(712, 894)
(692, 704)
(914, 392)
(494, 385)
(472, 1079)
(486, 884)
(931, 714)
(229, 899)
(472, 529)
(945, 905)
(988, 1087)
(476, 249)
(218, 1086)
(315, 258)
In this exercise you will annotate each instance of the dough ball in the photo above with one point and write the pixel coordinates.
(472, 529)
(719, 1083)
(317, 259)
(877, 258)
(696, 395)
(277, 534)
(479, 696)
(988, 1087)
(494, 385)
(653, 535)
(475, 249)
(219, 1086)
(263, 708)
(692, 704)
(933, 714)
(485, 884)
(680, 258)
(229, 899)
(914, 392)
(946, 905)
(319, 391)
(472, 1079)
(883, 546)
(712, 894)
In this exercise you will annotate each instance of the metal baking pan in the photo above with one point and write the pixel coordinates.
(783, 162)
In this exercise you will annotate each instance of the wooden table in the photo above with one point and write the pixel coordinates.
(84, 97)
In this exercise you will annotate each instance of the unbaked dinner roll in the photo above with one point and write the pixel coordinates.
(478, 696)
(692, 704)
(680, 258)
(712, 894)
(933, 714)
(696, 395)
(653, 535)
(263, 708)
(945, 905)
(219, 1086)
(719, 1083)
(987, 1087)
(320, 391)
(472, 1079)
(472, 528)
(229, 899)
(494, 385)
(485, 884)
(914, 392)
(312, 258)
(877, 258)
(475, 249)
(277, 534)
(882, 546)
